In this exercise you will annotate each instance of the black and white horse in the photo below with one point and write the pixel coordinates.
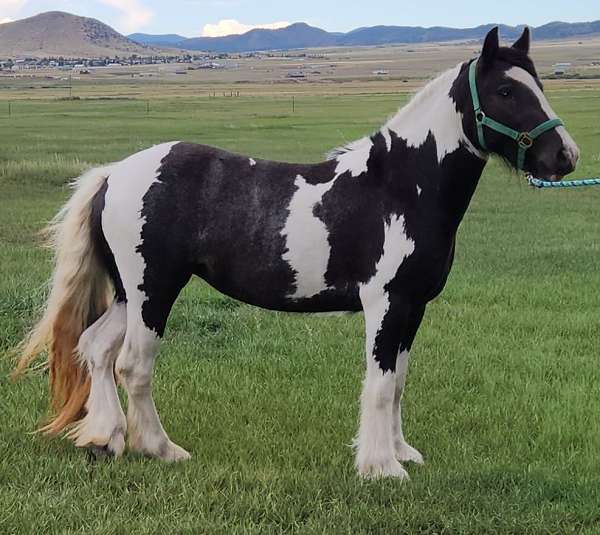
(372, 228)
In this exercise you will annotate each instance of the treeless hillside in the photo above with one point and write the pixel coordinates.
(61, 34)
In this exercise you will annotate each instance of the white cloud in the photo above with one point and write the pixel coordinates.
(234, 27)
(9, 8)
(134, 16)
(11, 4)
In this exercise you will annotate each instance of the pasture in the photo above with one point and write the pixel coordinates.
(503, 392)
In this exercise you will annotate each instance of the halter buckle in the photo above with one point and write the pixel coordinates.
(479, 116)
(524, 140)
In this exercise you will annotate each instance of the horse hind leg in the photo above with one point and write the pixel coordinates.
(104, 426)
(135, 367)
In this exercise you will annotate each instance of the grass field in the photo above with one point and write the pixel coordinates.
(503, 394)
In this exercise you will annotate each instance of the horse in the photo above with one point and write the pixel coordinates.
(372, 228)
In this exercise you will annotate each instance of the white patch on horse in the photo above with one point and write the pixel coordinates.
(387, 136)
(419, 190)
(375, 455)
(521, 75)
(307, 239)
(354, 158)
(432, 110)
(252, 162)
(122, 221)
(397, 247)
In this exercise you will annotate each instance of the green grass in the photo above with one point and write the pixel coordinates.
(503, 393)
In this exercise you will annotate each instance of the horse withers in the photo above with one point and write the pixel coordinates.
(372, 228)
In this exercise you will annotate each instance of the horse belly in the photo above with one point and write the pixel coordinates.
(263, 277)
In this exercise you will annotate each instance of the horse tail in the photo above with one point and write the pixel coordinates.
(80, 292)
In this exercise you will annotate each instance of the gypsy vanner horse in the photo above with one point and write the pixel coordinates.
(372, 228)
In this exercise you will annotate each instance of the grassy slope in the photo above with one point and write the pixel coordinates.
(503, 393)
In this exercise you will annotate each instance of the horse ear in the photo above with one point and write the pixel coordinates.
(490, 46)
(523, 42)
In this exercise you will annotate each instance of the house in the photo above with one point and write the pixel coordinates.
(560, 69)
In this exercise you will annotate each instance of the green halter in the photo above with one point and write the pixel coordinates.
(524, 139)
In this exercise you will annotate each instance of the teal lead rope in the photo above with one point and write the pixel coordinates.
(536, 182)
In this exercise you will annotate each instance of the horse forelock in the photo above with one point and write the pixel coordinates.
(516, 58)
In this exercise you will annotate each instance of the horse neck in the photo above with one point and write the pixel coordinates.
(433, 124)
(436, 110)
(428, 134)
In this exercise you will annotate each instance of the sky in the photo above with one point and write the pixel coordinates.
(192, 18)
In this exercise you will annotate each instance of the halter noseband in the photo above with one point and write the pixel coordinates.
(524, 140)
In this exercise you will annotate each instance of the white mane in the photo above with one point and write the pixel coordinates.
(430, 110)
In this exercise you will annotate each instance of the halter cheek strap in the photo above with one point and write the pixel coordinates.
(524, 140)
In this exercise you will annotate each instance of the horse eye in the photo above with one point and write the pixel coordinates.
(505, 91)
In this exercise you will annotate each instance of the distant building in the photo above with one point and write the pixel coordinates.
(561, 69)
(211, 65)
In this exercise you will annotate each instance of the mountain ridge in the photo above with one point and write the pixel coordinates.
(57, 33)
(301, 35)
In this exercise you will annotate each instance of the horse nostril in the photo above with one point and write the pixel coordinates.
(565, 160)
(562, 155)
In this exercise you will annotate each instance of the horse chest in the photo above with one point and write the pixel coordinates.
(425, 274)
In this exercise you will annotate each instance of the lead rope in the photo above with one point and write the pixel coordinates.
(538, 183)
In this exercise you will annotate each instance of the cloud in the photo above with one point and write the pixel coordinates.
(234, 27)
(5, 20)
(9, 8)
(134, 15)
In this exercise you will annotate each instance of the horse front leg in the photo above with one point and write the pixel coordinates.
(389, 330)
(404, 451)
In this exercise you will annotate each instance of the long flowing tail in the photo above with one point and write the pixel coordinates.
(81, 291)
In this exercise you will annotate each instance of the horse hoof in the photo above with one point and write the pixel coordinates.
(175, 454)
(406, 453)
(376, 470)
(164, 450)
(100, 453)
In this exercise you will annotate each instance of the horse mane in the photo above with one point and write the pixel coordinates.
(507, 54)
(349, 147)
(422, 94)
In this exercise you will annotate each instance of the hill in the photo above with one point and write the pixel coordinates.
(301, 35)
(61, 34)
(170, 40)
